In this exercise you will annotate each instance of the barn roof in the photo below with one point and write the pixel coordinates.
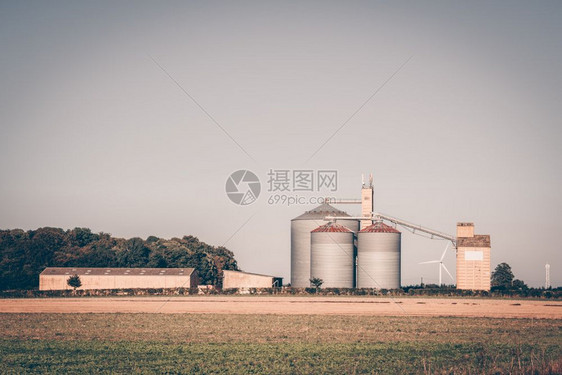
(251, 273)
(83, 271)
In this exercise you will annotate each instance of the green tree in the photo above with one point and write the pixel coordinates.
(74, 281)
(135, 253)
(519, 284)
(151, 239)
(502, 277)
(316, 282)
(81, 236)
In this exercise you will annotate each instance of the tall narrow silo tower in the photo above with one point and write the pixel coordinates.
(332, 256)
(301, 227)
(378, 257)
(473, 258)
(367, 201)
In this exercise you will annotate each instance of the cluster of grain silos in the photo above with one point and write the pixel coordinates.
(342, 255)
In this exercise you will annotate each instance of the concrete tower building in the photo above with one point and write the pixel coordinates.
(473, 258)
(367, 202)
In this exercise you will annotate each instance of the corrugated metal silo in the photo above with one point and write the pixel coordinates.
(301, 227)
(332, 256)
(378, 257)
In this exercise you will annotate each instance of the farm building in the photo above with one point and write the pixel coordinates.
(242, 280)
(55, 278)
(473, 258)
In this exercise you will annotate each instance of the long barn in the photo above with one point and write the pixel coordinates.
(55, 278)
(244, 280)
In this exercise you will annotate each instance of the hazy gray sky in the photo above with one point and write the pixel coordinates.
(94, 134)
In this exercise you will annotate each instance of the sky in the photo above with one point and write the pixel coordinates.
(129, 117)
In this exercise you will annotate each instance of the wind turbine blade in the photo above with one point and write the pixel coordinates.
(444, 252)
(452, 278)
(429, 262)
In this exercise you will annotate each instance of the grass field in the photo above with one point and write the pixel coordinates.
(203, 344)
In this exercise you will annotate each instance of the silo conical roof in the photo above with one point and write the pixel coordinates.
(379, 227)
(321, 212)
(333, 228)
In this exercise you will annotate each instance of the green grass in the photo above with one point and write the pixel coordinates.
(275, 344)
(49, 356)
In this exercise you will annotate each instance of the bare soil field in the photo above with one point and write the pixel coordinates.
(493, 308)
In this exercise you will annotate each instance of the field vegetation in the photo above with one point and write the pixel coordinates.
(297, 344)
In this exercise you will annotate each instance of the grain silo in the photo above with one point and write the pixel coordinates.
(378, 257)
(332, 256)
(301, 227)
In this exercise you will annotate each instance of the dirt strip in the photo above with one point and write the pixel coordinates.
(291, 305)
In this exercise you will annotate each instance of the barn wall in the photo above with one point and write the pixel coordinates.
(58, 282)
(233, 279)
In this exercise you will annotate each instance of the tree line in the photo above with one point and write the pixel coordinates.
(25, 254)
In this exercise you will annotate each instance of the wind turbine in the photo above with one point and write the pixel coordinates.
(441, 265)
